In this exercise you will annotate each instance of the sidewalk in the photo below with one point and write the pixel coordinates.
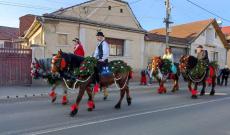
(30, 91)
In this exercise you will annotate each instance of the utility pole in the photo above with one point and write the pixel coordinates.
(167, 21)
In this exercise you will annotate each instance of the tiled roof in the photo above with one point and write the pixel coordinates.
(25, 23)
(188, 31)
(161, 38)
(8, 33)
(226, 30)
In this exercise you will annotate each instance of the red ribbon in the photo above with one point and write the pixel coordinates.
(194, 92)
(74, 107)
(90, 104)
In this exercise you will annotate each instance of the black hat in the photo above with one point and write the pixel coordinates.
(100, 34)
(76, 39)
(200, 46)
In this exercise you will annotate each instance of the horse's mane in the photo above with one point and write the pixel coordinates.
(73, 60)
(45, 63)
(192, 61)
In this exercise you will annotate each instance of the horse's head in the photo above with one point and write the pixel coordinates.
(58, 63)
(35, 69)
(156, 62)
(183, 65)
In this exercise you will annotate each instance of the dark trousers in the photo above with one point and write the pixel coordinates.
(224, 79)
(100, 65)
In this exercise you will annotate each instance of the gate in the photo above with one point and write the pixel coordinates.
(15, 66)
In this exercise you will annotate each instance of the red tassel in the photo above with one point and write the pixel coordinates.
(64, 99)
(161, 89)
(96, 88)
(74, 107)
(194, 92)
(90, 104)
(52, 94)
(211, 71)
(209, 80)
(130, 74)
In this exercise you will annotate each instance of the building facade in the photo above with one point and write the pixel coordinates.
(56, 30)
(185, 38)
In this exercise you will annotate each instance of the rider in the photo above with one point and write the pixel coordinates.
(101, 53)
(169, 55)
(203, 56)
(78, 48)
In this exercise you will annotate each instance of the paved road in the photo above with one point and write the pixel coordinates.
(149, 114)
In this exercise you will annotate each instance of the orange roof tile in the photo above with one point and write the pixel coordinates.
(188, 31)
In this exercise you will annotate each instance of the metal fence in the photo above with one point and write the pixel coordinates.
(15, 66)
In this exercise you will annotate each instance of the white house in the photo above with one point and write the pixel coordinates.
(185, 38)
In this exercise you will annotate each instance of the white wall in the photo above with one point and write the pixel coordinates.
(216, 46)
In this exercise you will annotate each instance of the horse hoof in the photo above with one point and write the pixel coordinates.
(105, 98)
(129, 101)
(202, 93)
(53, 99)
(73, 113)
(173, 91)
(118, 106)
(90, 109)
(64, 103)
(212, 93)
(194, 97)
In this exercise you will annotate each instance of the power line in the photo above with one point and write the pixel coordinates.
(24, 5)
(210, 12)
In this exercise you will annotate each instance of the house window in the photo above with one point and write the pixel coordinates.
(109, 7)
(121, 10)
(62, 39)
(215, 56)
(116, 46)
(215, 35)
(1, 45)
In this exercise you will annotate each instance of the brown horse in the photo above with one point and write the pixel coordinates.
(157, 62)
(59, 64)
(187, 63)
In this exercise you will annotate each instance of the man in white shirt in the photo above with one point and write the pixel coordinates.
(102, 50)
(101, 54)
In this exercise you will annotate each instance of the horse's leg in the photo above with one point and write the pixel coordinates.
(75, 107)
(203, 88)
(162, 88)
(122, 94)
(128, 97)
(194, 92)
(91, 104)
(64, 97)
(105, 92)
(53, 94)
(190, 86)
(212, 93)
(175, 84)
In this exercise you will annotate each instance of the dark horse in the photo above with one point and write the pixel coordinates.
(61, 61)
(157, 62)
(187, 63)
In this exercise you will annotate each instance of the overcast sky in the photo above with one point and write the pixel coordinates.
(150, 13)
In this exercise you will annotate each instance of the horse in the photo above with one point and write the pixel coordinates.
(162, 76)
(40, 69)
(120, 79)
(187, 64)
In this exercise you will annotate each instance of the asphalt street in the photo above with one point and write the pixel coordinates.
(149, 114)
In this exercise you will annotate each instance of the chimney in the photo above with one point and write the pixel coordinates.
(24, 23)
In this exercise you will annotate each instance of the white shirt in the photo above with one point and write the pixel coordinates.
(105, 48)
(169, 57)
